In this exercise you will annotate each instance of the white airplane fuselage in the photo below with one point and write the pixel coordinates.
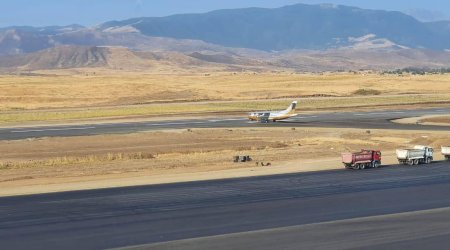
(274, 115)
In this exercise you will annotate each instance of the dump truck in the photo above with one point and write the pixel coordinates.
(415, 156)
(362, 160)
(446, 152)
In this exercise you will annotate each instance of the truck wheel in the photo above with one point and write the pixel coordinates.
(428, 161)
(376, 164)
(356, 167)
(362, 166)
(416, 162)
(411, 162)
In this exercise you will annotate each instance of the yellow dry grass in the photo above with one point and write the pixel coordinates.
(32, 92)
(66, 97)
(71, 160)
(308, 104)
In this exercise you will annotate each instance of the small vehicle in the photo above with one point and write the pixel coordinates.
(242, 158)
(446, 152)
(415, 156)
(362, 160)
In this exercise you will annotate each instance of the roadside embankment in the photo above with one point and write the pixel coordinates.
(90, 162)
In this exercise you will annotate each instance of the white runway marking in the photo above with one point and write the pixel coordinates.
(380, 113)
(164, 124)
(305, 117)
(240, 119)
(175, 123)
(50, 129)
(188, 123)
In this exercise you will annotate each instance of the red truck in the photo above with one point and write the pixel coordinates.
(362, 160)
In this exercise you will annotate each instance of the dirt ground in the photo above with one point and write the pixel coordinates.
(57, 164)
(433, 120)
(445, 120)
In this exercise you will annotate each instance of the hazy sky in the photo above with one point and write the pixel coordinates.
(91, 12)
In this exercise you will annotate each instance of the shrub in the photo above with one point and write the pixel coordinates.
(366, 92)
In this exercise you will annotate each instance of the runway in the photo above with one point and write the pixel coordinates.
(409, 230)
(365, 120)
(320, 210)
(393, 207)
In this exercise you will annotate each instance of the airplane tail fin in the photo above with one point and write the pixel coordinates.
(292, 107)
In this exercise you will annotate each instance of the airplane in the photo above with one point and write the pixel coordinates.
(267, 116)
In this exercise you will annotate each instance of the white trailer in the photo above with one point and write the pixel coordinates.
(415, 156)
(446, 152)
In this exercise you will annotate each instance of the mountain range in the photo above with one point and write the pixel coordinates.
(323, 37)
(292, 27)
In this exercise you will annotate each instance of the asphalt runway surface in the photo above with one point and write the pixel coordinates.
(366, 120)
(393, 207)
(320, 210)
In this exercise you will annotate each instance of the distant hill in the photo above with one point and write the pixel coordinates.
(120, 58)
(298, 26)
(21, 40)
(362, 59)
(310, 27)
(297, 37)
(58, 58)
(440, 27)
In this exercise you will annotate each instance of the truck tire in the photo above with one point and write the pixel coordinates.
(416, 162)
(411, 162)
(428, 161)
(376, 164)
(362, 166)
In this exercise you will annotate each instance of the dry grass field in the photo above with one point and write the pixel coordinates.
(32, 92)
(62, 97)
(219, 107)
